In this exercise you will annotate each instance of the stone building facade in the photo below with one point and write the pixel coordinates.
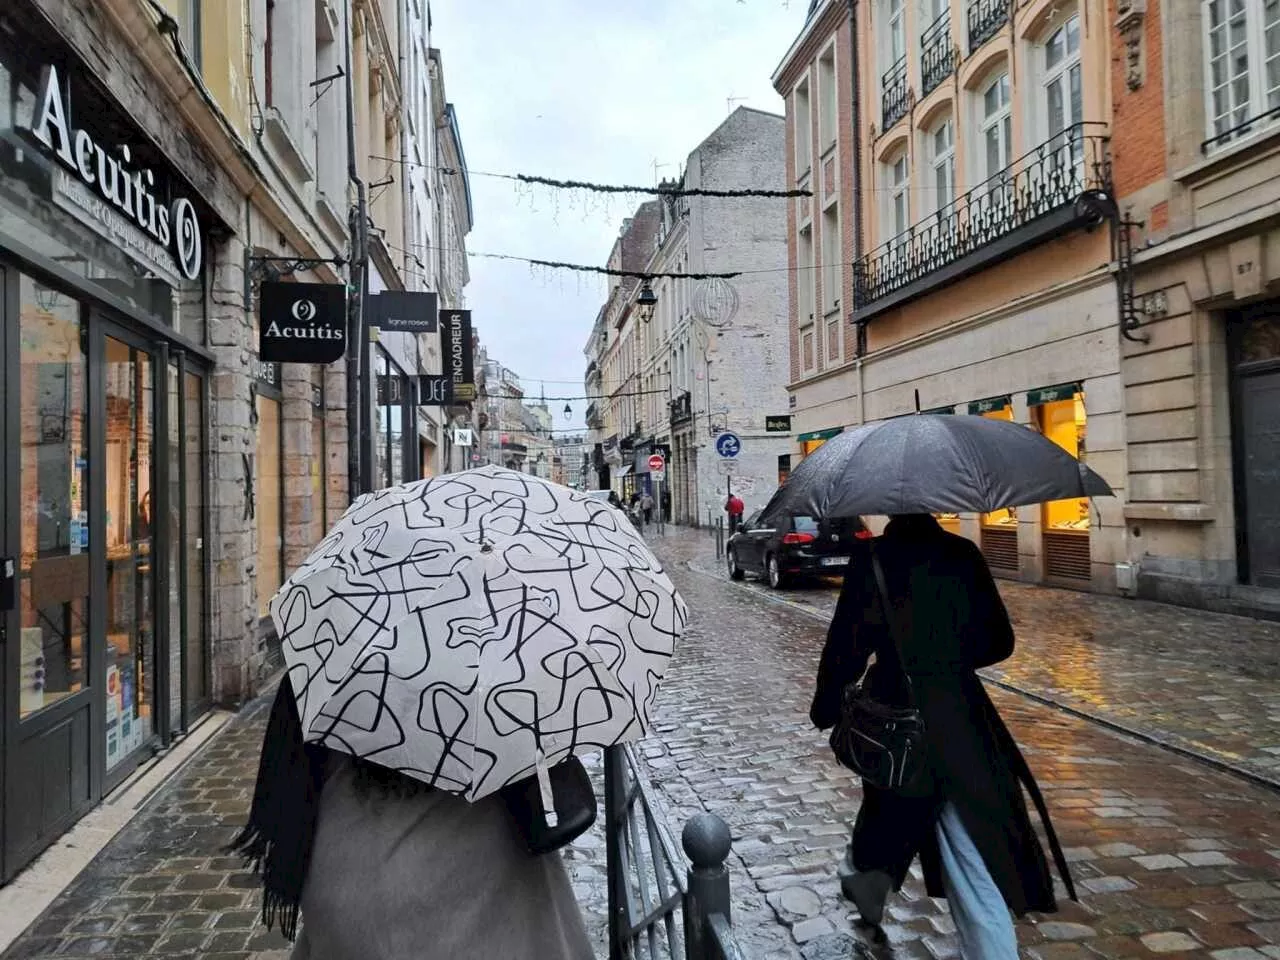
(1197, 170)
(963, 158)
(159, 480)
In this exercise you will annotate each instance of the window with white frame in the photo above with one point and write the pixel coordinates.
(1242, 66)
(897, 32)
(827, 98)
(997, 132)
(804, 277)
(942, 158)
(897, 184)
(1063, 94)
(831, 257)
(803, 128)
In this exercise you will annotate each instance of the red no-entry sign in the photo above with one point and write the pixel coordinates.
(657, 464)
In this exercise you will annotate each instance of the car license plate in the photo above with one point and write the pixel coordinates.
(835, 561)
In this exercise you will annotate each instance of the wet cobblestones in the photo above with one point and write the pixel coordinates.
(1172, 858)
(1202, 682)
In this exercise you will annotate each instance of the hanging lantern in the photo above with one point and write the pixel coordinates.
(715, 301)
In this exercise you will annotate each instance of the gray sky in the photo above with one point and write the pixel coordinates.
(590, 90)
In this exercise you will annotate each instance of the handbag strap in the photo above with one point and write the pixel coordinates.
(895, 629)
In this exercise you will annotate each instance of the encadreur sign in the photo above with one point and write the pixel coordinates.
(112, 193)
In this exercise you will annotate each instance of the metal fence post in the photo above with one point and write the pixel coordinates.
(615, 813)
(706, 841)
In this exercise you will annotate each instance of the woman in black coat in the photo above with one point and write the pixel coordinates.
(951, 621)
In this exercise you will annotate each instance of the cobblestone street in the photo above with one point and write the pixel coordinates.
(1173, 858)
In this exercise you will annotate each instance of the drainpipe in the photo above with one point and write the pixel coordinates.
(855, 72)
(358, 221)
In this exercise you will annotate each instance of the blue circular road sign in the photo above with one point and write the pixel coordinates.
(728, 445)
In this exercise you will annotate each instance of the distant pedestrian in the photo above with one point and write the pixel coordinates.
(734, 507)
(666, 506)
(964, 815)
(614, 500)
(646, 507)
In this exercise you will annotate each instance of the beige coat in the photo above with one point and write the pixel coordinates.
(431, 877)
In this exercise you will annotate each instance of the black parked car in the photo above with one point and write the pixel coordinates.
(794, 547)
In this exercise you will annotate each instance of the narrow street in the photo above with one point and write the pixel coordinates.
(1173, 857)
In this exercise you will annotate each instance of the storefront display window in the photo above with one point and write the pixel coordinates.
(269, 507)
(999, 409)
(130, 523)
(54, 563)
(809, 442)
(194, 605)
(1060, 415)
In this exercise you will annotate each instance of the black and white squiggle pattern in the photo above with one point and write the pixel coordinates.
(452, 628)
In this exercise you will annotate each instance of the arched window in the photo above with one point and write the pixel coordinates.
(1063, 94)
(997, 131)
(897, 184)
(941, 147)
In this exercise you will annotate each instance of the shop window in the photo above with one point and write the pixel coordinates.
(53, 574)
(1060, 415)
(1007, 518)
(268, 490)
(130, 556)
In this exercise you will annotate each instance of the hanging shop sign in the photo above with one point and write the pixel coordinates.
(302, 322)
(463, 437)
(990, 405)
(1063, 391)
(820, 435)
(779, 424)
(104, 187)
(404, 311)
(390, 390)
(435, 390)
(455, 335)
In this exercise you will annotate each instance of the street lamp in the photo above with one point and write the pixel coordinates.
(646, 301)
(568, 412)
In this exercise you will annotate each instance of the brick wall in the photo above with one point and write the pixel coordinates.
(1138, 152)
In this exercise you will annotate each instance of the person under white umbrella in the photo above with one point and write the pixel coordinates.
(449, 641)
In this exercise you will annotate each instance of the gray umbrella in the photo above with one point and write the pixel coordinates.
(934, 463)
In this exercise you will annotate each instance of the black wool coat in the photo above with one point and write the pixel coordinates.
(951, 621)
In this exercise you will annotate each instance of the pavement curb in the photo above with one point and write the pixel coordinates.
(1145, 736)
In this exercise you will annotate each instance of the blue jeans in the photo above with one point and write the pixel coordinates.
(981, 917)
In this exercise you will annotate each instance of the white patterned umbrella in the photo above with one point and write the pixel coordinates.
(474, 628)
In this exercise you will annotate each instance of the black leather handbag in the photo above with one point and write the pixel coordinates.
(882, 743)
(575, 803)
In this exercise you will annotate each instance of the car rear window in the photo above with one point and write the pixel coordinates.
(805, 525)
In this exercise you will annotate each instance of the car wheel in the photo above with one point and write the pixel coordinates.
(735, 571)
(774, 573)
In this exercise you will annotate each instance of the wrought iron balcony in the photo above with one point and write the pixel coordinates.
(986, 17)
(593, 415)
(937, 54)
(682, 409)
(1059, 186)
(895, 98)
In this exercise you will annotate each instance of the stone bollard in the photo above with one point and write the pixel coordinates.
(707, 841)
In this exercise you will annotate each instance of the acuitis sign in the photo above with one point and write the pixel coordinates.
(128, 188)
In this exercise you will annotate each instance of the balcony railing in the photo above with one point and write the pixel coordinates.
(937, 54)
(986, 17)
(593, 415)
(682, 409)
(895, 98)
(1032, 200)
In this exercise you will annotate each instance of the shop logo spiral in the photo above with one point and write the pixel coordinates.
(304, 311)
(188, 247)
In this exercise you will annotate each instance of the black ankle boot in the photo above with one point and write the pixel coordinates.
(868, 891)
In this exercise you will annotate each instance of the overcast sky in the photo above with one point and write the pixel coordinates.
(592, 90)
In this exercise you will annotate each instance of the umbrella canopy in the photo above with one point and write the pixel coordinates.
(471, 629)
(933, 464)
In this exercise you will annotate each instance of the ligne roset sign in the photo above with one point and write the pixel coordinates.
(130, 190)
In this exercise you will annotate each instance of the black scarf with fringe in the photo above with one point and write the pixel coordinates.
(281, 830)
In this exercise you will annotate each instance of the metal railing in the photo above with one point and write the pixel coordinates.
(649, 882)
(1049, 178)
(986, 17)
(895, 96)
(937, 54)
